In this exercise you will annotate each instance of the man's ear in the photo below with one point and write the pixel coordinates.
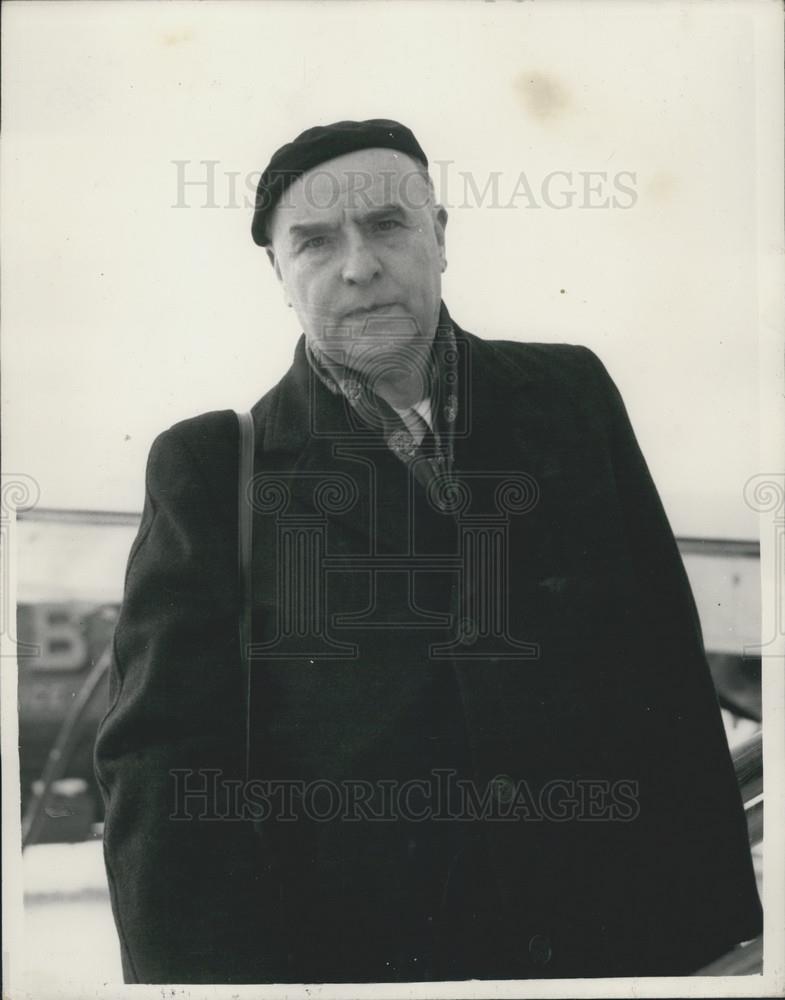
(439, 225)
(273, 262)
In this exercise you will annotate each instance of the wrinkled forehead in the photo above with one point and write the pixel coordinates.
(352, 185)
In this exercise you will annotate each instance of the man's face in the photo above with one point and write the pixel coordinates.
(359, 248)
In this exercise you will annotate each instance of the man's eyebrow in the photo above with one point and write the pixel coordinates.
(382, 212)
(309, 228)
(298, 230)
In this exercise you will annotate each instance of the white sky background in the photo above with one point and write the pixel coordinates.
(122, 314)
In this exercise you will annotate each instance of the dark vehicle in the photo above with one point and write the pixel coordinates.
(71, 566)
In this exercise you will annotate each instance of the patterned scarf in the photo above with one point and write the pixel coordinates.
(427, 451)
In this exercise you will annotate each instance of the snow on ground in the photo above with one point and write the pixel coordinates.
(69, 934)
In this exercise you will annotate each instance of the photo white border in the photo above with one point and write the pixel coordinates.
(771, 249)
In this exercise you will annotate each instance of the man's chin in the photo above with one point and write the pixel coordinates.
(377, 364)
(380, 327)
(374, 336)
(380, 346)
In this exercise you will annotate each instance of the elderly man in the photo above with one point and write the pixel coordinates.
(477, 737)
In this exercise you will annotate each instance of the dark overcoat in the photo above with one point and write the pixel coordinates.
(483, 739)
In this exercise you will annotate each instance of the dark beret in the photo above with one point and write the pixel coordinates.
(317, 145)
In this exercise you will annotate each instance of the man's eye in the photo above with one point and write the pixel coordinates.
(314, 243)
(387, 224)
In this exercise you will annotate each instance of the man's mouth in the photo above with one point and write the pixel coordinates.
(364, 312)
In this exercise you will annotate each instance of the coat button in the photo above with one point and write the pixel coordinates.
(503, 788)
(469, 631)
(540, 950)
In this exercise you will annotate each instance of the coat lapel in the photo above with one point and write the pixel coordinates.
(496, 405)
(330, 468)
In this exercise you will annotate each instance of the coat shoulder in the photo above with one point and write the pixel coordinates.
(192, 466)
(202, 451)
(567, 381)
(216, 431)
(557, 371)
(543, 361)
(204, 431)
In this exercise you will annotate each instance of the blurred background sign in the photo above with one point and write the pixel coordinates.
(70, 580)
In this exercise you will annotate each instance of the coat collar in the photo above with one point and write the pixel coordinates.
(303, 414)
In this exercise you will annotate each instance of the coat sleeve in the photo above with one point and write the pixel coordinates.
(708, 900)
(188, 892)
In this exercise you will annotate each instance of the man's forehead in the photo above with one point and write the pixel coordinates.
(355, 183)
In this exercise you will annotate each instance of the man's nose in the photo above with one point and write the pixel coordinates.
(360, 264)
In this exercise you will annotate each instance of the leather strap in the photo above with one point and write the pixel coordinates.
(245, 563)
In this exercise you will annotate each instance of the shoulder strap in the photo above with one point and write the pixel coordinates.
(245, 562)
